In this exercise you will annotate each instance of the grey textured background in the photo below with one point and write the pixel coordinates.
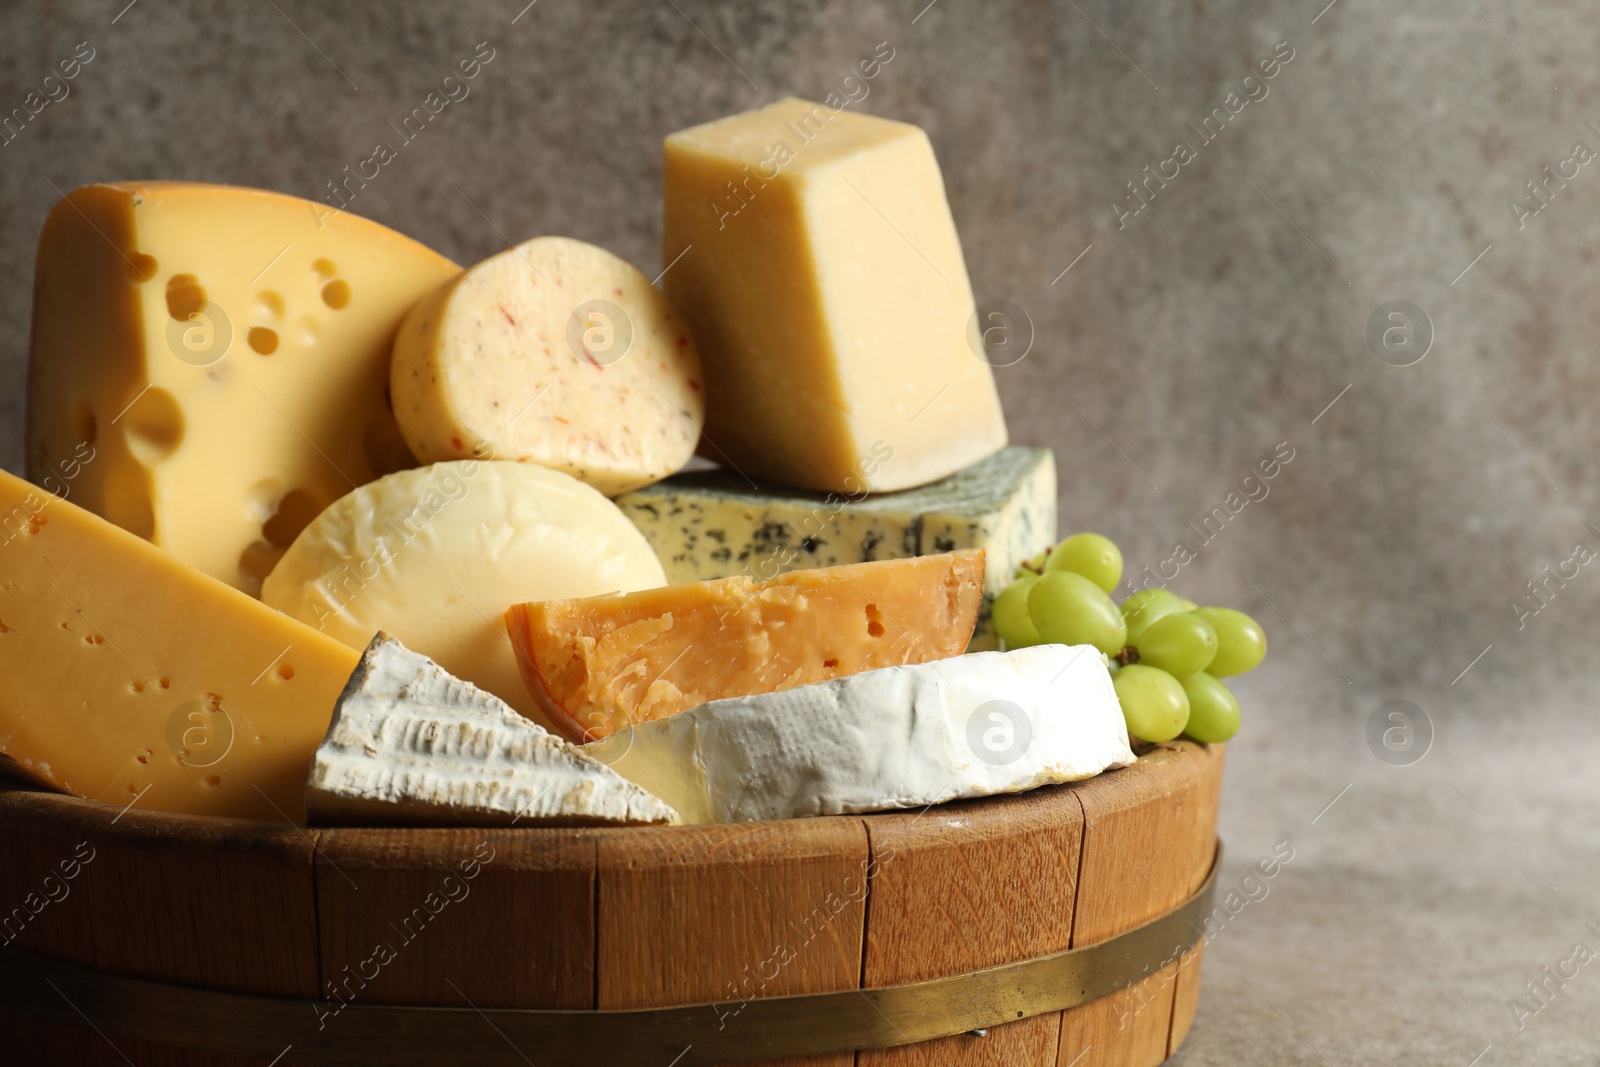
(1222, 320)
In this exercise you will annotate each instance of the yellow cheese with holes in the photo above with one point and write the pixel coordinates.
(814, 257)
(225, 353)
(126, 675)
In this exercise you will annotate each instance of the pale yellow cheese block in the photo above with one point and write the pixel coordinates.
(434, 557)
(554, 352)
(225, 353)
(126, 675)
(822, 278)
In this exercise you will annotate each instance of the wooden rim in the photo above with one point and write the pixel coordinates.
(624, 925)
(692, 1035)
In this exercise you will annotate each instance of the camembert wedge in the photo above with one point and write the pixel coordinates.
(899, 737)
(412, 745)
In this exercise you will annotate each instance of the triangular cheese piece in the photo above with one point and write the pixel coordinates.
(412, 745)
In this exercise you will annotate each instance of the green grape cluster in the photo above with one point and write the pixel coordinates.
(1167, 653)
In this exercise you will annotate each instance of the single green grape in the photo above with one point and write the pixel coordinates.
(1010, 614)
(1154, 705)
(1069, 609)
(1096, 558)
(1241, 644)
(1179, 644)
(1213, 709)
(1146, 606)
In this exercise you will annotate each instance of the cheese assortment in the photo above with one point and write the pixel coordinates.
(715, 524)
(411, 465)
(131, 677)
(896, 737)
(553, 352)
(600, 664)
(822, 278)
(437, 554)
(411, 745)
(224, 353)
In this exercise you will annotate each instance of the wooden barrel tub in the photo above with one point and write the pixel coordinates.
(159, 939)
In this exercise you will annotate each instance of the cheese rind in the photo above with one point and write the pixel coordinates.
(553, 352)
(713, 524)
(823, 281)
(435, 555)
(129, 676)
(599, 664)
(225, 352)
(898, 737)
(411, 745)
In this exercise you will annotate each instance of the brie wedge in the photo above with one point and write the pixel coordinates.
(896, 737)
(412, 745)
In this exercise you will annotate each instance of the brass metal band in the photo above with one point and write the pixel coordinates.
(324, 1033)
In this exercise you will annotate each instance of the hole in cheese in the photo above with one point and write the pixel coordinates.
(263, 340)
(143, 267)
(295, 511)
(185, 296)
(153, 426)
(269, 302)
(83, 421)
(323, 267)
(255, 563)
(874, 621)
(336, 294)
(308, 330)
(286, 671)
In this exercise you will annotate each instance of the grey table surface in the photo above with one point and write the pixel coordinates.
(1385, 161)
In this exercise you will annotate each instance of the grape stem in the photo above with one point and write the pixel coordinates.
(1128, 655)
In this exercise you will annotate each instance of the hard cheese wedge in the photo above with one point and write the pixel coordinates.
(713, 524)
(410, 745)
(899, 737)
(553, 352)
(823, 281)
(600, 664)
(129, 676)
(225, 353)
(435, 555)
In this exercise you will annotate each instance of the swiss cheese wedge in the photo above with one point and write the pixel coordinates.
(224, 353)
(129, 677)
(600, 664)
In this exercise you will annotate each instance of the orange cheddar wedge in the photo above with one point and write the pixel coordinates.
(597, 665)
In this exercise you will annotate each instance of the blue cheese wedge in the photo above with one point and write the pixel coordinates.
(412, 745)
(898, 737)
(716, 524)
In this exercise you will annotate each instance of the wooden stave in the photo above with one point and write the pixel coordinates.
(1175, 788)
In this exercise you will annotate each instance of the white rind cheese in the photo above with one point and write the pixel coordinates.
(412, 745)
(899, 737)
(435, 555)
(714, 524)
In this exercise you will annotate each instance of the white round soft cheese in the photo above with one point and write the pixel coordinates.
(435, 555)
